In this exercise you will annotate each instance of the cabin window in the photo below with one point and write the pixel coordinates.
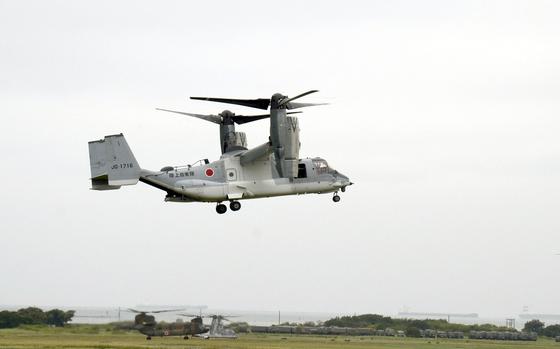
(302, 171)
(231, 174)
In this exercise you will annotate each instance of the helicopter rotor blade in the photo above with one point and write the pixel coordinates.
(164, 311)
(210, 117)
(262, 103)
(151, 311)
(286, 101)
(295, 105)
(224, 317)
(243, 119)
(259, 103)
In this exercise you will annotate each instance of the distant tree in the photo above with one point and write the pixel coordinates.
(552, 331)
(32, 315)
(287, 323)
(419, 324)
(9, 319)
(365, 320)
(413, 332)
(58, 317)
(534, 326)
(68, 315)
(241, 327)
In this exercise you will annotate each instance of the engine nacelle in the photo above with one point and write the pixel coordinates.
(291, 147)
(232, 140)
(239, 140)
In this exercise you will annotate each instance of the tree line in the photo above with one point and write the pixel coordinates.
(382, 322)
(35, 316)
(539, 328)
(412, 327)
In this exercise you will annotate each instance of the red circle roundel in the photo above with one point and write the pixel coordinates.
(209, 172)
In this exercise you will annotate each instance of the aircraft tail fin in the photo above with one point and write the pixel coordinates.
(112, 163)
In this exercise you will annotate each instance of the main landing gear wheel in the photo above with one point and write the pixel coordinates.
(235, 205)
(148, 338)
(336, 198)
(221, 208)
(186, 337)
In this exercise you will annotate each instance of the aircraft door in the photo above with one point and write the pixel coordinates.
(231, 174)
(305, 169)
(302, 170)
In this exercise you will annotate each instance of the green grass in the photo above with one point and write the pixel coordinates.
(102, 337)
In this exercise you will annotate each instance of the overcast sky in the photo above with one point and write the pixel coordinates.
(444, 113)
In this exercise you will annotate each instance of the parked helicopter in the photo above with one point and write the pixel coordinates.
(271, 169)
(216, 329)
(146, 324)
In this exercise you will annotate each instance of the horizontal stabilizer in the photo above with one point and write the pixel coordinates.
(112, 163)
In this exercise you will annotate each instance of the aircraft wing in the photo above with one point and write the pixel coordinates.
(256, 153)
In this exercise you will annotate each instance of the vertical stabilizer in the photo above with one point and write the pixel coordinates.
(112, 163)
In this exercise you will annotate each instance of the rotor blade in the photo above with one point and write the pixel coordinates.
(243, 119)
(284, 102)
(295, 105)
(163, 311)
(134, 311)
(188, 315)
(212, 118)
(259, 103)
(225, 317)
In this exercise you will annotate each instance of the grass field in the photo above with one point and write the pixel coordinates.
(103, 337)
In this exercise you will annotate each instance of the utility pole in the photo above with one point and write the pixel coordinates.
(278, 317)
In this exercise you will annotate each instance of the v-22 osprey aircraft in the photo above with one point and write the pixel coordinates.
(271, 169)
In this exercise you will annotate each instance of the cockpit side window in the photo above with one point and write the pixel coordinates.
(321, 166)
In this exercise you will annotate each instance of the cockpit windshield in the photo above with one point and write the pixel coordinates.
(321, 166)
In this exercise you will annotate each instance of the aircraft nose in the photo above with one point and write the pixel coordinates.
(341, 180)
(344, 179)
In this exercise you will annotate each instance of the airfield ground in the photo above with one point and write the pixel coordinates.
(104, 337)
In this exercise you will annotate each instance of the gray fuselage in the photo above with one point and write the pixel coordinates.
(226, 179)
